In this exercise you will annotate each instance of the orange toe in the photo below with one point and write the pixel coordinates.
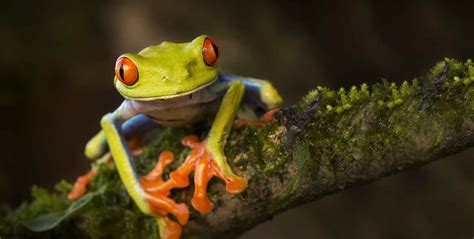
(164, 160)
(236, 185)
(80, 186)
(181, 212)
(267, 117)
(162, 204)
(191, 141)
(179, 179)
(202, 203)
(172, 230)
(202, 175)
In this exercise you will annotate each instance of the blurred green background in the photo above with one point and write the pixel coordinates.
(57, 60)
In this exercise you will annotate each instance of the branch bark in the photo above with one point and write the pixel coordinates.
(334, 140)
(328, 142)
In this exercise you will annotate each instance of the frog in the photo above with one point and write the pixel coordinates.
(177, 85)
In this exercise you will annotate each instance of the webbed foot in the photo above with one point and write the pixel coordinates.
(202, 163)
(157, 190)
(205, 167)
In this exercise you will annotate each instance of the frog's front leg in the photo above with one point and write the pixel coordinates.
(137, 125)
(219, 132)
(97, 147)
(208, 159)
(111, 125)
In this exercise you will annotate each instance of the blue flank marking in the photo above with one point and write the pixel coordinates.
(138, 125)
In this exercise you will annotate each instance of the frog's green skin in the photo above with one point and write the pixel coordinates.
(175, 88)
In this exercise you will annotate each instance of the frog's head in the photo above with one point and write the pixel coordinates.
(167, 70)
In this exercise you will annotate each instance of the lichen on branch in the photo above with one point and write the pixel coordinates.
(329, 141)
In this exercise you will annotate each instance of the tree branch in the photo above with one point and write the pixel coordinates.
(333, 140)
(328, 142)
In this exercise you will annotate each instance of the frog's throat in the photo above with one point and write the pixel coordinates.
(162, 97)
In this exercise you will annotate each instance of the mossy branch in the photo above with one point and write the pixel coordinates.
(330, 141)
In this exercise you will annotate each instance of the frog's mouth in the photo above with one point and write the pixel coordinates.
(173, 96)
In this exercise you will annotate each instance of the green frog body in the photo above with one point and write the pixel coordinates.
(176, 85)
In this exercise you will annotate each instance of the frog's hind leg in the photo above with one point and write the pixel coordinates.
(267, 117)
(261, 97)
(259, 94)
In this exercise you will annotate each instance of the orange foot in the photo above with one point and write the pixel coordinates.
(158, 190)
(204, 169)
(200, 161)
(261, 122)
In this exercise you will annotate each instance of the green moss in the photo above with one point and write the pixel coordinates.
(300, 154)
(103, 223)
(306, 101)
(271, 149)
(349, 134)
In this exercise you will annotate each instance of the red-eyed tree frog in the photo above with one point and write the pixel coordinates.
(173, 85)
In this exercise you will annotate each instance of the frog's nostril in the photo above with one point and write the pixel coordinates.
(126, 71)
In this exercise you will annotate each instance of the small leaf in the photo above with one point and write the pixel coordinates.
(49, 221)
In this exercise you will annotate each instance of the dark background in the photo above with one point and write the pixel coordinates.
(56, 70)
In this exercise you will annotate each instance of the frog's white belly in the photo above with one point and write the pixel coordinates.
(179, 111)
(184, 115)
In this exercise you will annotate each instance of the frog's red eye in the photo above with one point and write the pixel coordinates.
(126, 71)
(210, 51)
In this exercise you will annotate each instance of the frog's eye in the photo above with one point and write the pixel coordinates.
(210, 51)
(126, 71)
